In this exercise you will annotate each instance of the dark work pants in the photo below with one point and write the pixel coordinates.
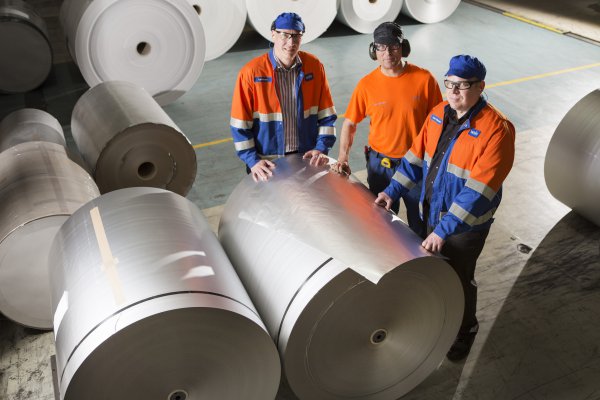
(379, 177)
(463, 250)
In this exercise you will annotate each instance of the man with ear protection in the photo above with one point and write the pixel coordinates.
(396, 96)
(462, 155)
(282, 103)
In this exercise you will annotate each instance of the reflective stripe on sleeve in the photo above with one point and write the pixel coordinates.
(403, 180)
(245, 145)
(414, 160)
(481, 188)
(328, 112)
(469, 218)
(327, 130)
(268, 117)
(241, 124)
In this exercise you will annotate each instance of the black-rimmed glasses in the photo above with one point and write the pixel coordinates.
(288, 36)
(462, 85)
(384, 47)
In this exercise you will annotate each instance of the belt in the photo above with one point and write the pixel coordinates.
(393, 162)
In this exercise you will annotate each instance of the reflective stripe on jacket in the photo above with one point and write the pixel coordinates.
(468, 187)
(256, 118)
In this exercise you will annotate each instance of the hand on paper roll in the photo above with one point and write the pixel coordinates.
(433, 243)
(262, 170)
(341, 168)
(384, 200)
(316, 158)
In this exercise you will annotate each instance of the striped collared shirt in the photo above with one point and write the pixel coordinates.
(286, 90)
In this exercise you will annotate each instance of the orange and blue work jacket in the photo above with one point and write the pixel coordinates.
(468, 187)
(256, 116)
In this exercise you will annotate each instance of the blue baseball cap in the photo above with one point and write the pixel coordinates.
(466, 67)
(288, 20)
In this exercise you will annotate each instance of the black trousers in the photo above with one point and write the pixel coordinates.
(462, 251)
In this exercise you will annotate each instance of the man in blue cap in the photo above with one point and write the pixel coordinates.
(462, 155)
(282, 103)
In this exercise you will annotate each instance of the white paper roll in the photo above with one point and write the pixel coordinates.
(223, 22)
(128, 140)
(365, 15)
(147, 306)
(316, 14)
(429, 11)
(157, 44)
(572, 165)
(29, 125)
(25, 52)
(357, 307)
(39, 188)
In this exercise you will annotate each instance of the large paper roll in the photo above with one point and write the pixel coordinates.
(25, 52)
(223, 22)
(157, 44)
(147, 302)
(357, 307)
(30, 125)
(429, 11)
(128, 140)
(572, 165)
(365, 15)
(39, 188)
(316, 14)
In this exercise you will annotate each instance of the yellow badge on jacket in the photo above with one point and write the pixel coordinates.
(385, 162)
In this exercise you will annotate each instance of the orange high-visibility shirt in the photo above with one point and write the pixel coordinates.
(396, 106)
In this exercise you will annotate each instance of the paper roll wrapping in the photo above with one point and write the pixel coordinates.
(39, 188)
(25, 52)
(316, 14)
(358, 309)
(223, 22)
(147, 302)
(128, 140)
(365, 15)
(572, 165)
(429, 11)
(30, 125)
(157, 44)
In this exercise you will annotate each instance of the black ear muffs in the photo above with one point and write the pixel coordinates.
(405, 49)
(372, 51)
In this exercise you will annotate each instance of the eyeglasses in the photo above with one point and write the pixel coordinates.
(384, 47)
(462, 85)
(288, 36)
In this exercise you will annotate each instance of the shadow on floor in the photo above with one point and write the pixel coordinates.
(544, 343)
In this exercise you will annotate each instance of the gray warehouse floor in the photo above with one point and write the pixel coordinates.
(539, 274)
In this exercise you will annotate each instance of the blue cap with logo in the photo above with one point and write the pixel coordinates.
(466, 67)
(288, 20)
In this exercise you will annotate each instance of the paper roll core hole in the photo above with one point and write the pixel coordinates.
(197, 8)
(146, 170)
(372, 1)
(178, 395)
(143, 48)
(378, 336)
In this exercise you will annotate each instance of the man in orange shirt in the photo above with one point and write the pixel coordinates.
(396, 96)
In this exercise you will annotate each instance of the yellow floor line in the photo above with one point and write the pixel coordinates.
(532, 22)
(491, 85)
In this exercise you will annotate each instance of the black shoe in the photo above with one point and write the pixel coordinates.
(462, 346)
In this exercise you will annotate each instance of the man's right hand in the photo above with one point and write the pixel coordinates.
(341, 167)
(262, 170)
(384, 200)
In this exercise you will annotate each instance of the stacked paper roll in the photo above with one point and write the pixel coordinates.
(28, 125)
(128, 140)
(157, 44)
(223, 23)
(572, 165)
(25, 52)
(365, 15)
(39, 188)
(429, 11)
(147, 302)
(358, 309)
(316, 14)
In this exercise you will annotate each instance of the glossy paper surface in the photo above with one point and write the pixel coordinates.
(357, 307)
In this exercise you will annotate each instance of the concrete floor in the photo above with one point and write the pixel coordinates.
(539, 274)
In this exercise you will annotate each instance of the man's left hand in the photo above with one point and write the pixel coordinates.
(316, 158)
(433, 243)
